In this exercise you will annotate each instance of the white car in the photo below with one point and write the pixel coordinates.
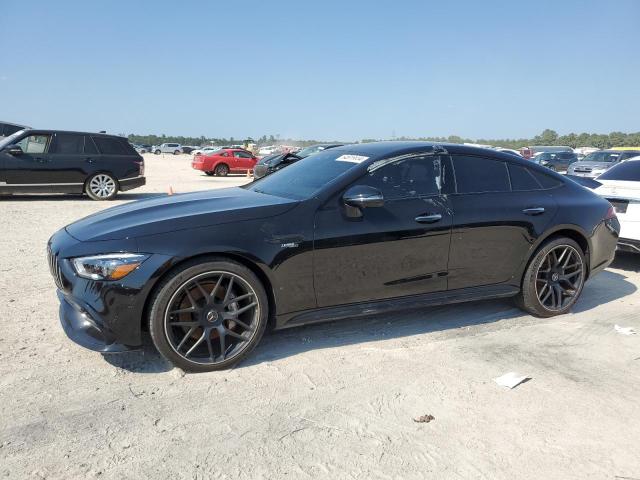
(271, 149)
(621, 186)
(174, 148)
(205, 150)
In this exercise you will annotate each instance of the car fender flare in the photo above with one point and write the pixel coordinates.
(576, 232)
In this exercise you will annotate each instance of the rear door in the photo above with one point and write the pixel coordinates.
(67, 162)
(499, 209)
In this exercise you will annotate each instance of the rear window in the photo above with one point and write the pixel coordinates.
(89, 146)
(110, 146)
(67, 144)
(480, 175)
(627, 171)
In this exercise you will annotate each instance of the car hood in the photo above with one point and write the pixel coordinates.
(593, 165)
(178, 212)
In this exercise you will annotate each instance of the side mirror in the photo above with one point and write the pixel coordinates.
(363, 196)
(14, 150)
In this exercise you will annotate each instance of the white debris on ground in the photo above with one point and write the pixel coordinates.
(510, 380)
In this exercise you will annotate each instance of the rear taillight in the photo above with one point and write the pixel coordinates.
(611, 213)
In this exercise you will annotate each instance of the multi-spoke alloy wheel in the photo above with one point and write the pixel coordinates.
(554, 279)
(560, 277)
(102, 186)
(209, 316)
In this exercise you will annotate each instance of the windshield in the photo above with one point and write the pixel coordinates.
(602, 156)
(10, 139)
(306, 177)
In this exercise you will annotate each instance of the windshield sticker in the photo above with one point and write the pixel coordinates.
(351, 158)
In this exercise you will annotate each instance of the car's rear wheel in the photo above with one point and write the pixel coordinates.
(221, 170)
(209, 173)
(554, 278)
(176, 152)
(101, 186)
(208, 315)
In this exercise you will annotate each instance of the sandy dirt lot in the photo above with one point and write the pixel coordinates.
(326, 401)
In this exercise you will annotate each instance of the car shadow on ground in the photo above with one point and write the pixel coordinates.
(450, 319)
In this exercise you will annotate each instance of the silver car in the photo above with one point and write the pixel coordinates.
(174, 148)
(597, 163)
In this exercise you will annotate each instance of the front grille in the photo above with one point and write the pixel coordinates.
(582, 169)
(54, 268)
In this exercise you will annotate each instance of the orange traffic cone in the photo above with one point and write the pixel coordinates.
(248, 173)
(170, 190)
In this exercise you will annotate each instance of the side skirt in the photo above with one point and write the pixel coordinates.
(355, 310)
(42, 188)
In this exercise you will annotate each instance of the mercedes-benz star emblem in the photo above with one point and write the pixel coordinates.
(212, 316)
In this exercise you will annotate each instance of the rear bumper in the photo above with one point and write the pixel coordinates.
(628, 245)
(131, 183)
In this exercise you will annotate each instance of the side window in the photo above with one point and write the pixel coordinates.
(109, 146)
(480, 175)
(224, 154)
(412, 177)
(34, 143)
(547, 181)
(89, 146)
(521, 179)
(68, 144)
(241, 155)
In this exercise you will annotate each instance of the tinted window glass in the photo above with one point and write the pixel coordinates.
(89, 146)
(241, 154)
(34, 143)
(602, 156)
(547, 181)
(521, 179)
(477, 175)
(68, 144)
(109, 146)
(627, 171)
(406, 178)
(9, 130)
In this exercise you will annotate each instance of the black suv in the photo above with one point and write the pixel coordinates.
(557, 161)
(7, 128)
(51, 161)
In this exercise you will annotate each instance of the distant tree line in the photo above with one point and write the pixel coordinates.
(547, 137)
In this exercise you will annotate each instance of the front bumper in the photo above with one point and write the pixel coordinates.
(131, 183)
(105, 316)
(86, 331)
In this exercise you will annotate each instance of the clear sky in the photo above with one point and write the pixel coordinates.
(326, 69)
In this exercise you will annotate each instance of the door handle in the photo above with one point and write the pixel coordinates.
(433, 218)
(533, 211)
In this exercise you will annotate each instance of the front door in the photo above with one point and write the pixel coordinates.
(242, 161)
(33, 166)
(398, 249)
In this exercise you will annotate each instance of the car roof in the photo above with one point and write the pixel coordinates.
(387, 149)
(93, 134)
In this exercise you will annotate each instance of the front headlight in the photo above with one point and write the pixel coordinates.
(111, 266)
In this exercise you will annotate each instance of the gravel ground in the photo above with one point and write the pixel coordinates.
(325, 401)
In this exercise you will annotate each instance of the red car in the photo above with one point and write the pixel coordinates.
(224, 161)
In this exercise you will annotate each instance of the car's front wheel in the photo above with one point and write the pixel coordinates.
(101, 186)
(176, 152)
(208, 315)
(157, 152)
(554, 278)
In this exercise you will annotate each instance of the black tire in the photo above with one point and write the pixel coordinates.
(210, 174)
(101, 186)
(157, 152)
(162, 321)
(176, 152)
(221, 170)
(550, 293)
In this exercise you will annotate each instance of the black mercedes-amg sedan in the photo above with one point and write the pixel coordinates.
(351, 231)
